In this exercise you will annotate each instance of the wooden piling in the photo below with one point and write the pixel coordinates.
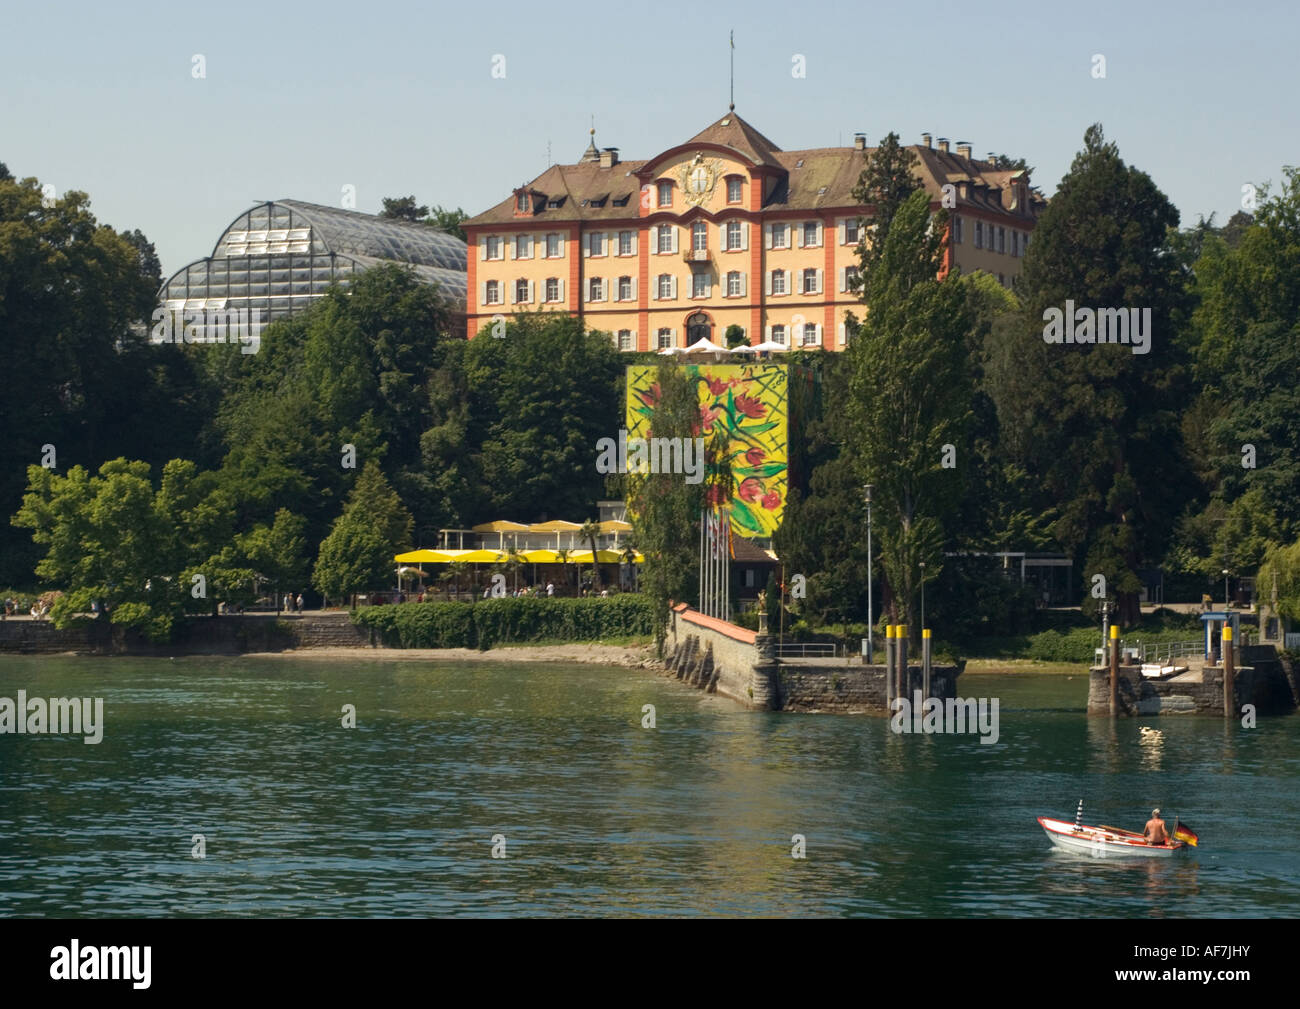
(925, 664)
(1114, 670)
(900, 638)
(889, 667)
(1229, 673)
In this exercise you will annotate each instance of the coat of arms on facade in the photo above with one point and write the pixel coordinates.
(698, 177)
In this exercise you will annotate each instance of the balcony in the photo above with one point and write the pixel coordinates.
(696, 255)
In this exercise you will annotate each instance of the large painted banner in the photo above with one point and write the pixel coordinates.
(750, 403)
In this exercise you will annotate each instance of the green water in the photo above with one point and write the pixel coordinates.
(601, 816)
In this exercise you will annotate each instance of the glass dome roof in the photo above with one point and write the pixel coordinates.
(281, 255)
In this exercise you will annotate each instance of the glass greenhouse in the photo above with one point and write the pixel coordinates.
(280, 256)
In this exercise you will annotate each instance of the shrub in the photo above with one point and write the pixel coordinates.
(512, 620)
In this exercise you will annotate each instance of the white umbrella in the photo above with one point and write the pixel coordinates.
(705, 346)
(744, 348)
(770, 345)
(672, 350)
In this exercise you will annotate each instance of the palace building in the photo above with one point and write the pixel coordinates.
(723, 230)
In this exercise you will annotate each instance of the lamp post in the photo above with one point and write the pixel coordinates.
(1225, 590)
(870, 619)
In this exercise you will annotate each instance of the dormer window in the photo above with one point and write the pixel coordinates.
(521, 202)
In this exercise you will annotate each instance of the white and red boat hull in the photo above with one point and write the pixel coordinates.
(1103, 841)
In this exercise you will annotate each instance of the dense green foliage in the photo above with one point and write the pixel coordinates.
(76, 375)
(510, 621)
(358, 552)
(367, 423)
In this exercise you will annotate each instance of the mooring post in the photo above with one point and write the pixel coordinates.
(900, 638)
(925, 663)
(889, 667)
(1114, 670)
(1229, 673)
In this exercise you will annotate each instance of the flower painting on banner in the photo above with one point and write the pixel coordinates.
(750, 404)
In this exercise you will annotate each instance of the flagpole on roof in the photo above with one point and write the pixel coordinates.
(732, 101)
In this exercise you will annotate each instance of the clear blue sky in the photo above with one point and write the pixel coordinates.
(396, 98)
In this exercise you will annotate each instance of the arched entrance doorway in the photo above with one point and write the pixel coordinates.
(698, 327)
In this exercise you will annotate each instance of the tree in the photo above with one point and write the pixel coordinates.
(589, 531)
(449, 221)
(1282, 569)
(148, 556)
(77, 376)
(403, 208)
(887, 181)
(277, 551)
(909, 395)
(1098, 423)
(358, 553)
(735, 336)
(539, 400)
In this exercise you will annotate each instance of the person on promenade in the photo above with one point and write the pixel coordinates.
(299, 602)
(550, 589)
(1155, 832)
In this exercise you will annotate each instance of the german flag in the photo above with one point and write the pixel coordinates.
(1182, 832)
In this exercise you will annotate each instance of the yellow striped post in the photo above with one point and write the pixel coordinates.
(1114, 670)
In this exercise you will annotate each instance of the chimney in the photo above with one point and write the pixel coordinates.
(963, 148)
(943, 145)
(859, 141)
(608, 157)
(926, 137)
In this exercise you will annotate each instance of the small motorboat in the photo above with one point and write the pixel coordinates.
(1104, 840)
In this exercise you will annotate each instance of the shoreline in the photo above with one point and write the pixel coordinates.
(626, 656)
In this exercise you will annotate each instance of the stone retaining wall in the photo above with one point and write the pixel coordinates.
(224, 635)
(725, 659)
(1265, 684)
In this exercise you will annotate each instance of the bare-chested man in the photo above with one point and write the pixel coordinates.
(1155, 832)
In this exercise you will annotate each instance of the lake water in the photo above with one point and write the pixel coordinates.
(302, 817)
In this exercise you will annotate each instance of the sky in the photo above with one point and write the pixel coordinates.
(300, 100)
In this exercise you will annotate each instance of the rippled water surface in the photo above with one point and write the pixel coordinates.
(600, 816)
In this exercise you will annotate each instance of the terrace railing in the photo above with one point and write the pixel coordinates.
(806, 650)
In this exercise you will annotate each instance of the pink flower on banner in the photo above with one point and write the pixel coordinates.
(750, 406)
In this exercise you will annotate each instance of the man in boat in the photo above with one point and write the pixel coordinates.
(1155, 832)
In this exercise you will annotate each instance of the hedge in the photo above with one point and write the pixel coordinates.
(510, 620)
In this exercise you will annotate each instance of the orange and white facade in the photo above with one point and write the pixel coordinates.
(723, 230)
